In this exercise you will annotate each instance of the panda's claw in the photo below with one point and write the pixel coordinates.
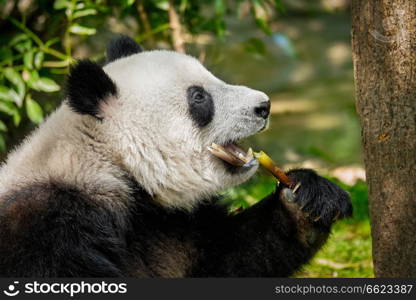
(289, 195)
(296, 187)
(323, 201)
(317, 219)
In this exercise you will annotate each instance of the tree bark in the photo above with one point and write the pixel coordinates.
(384, 55)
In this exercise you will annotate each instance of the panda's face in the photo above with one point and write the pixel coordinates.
(167, 110)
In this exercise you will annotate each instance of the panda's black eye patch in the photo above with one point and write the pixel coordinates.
(201, 105)
(198, 95)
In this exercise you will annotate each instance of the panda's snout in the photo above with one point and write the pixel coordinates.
(262, 110)
(261, 104)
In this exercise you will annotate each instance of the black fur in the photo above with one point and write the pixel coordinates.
(122, 46)
(319, 197)
(87, 86)
(201, 105)
(55, 230)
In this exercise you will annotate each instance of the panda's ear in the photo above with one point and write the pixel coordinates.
(122, 46)
(87, 87)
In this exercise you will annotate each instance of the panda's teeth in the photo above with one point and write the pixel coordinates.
(235, 150)
(250, 154)
(231, 153)
(223, 154)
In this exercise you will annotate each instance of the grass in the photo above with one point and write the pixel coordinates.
(348, 250)
(346, 254)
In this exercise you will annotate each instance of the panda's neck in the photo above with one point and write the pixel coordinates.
(175, 177)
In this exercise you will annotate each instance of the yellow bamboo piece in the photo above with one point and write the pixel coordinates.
(268, 163)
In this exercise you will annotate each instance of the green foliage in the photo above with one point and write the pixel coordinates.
(32, 61)
(24, 71)
(34, 111)
(250, 192)
(346, 254)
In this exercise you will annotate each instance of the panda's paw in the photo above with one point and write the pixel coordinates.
(322, 201)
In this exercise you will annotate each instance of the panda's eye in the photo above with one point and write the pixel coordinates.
(197, 94)
(201, 105)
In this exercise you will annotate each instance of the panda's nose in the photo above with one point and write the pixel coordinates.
(263, 109)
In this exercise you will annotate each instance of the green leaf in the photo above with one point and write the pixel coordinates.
(80, 5)
(8, 108)
(60, 4)
(14, 77)
(33, 110)
(17, 118)
(264, 26)
(220, 27)
(44, 84)
(261, 16)
(52, 41)
(128, 2)
(24, 46)
(5, 93)
(183, 6)
(2, 144)
(34, 76)
(16, 98)
(8, 94)
(38, 59)
(28, 60)
(27, 31)
(18, 38)
(161, 4)
(219, 7)
(219, 21)
(81, 30)
(3, 126)
(84, 12)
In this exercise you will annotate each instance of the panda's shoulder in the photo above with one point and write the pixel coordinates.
(21, 202)
(66, 233)
(43, 203)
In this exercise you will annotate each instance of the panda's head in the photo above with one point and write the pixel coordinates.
(158, 111)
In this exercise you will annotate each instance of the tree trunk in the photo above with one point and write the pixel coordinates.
(384, 55)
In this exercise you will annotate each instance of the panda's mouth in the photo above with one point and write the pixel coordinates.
(233, 155)
(236, 160)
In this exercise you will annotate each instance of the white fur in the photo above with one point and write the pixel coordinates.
(60, 151)
(146, 131)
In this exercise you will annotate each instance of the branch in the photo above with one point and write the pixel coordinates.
(178, 40)
(145, 22)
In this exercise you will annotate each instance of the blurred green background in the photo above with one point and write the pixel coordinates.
(297, 51)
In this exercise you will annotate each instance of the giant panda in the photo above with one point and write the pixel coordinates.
(118, 180)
